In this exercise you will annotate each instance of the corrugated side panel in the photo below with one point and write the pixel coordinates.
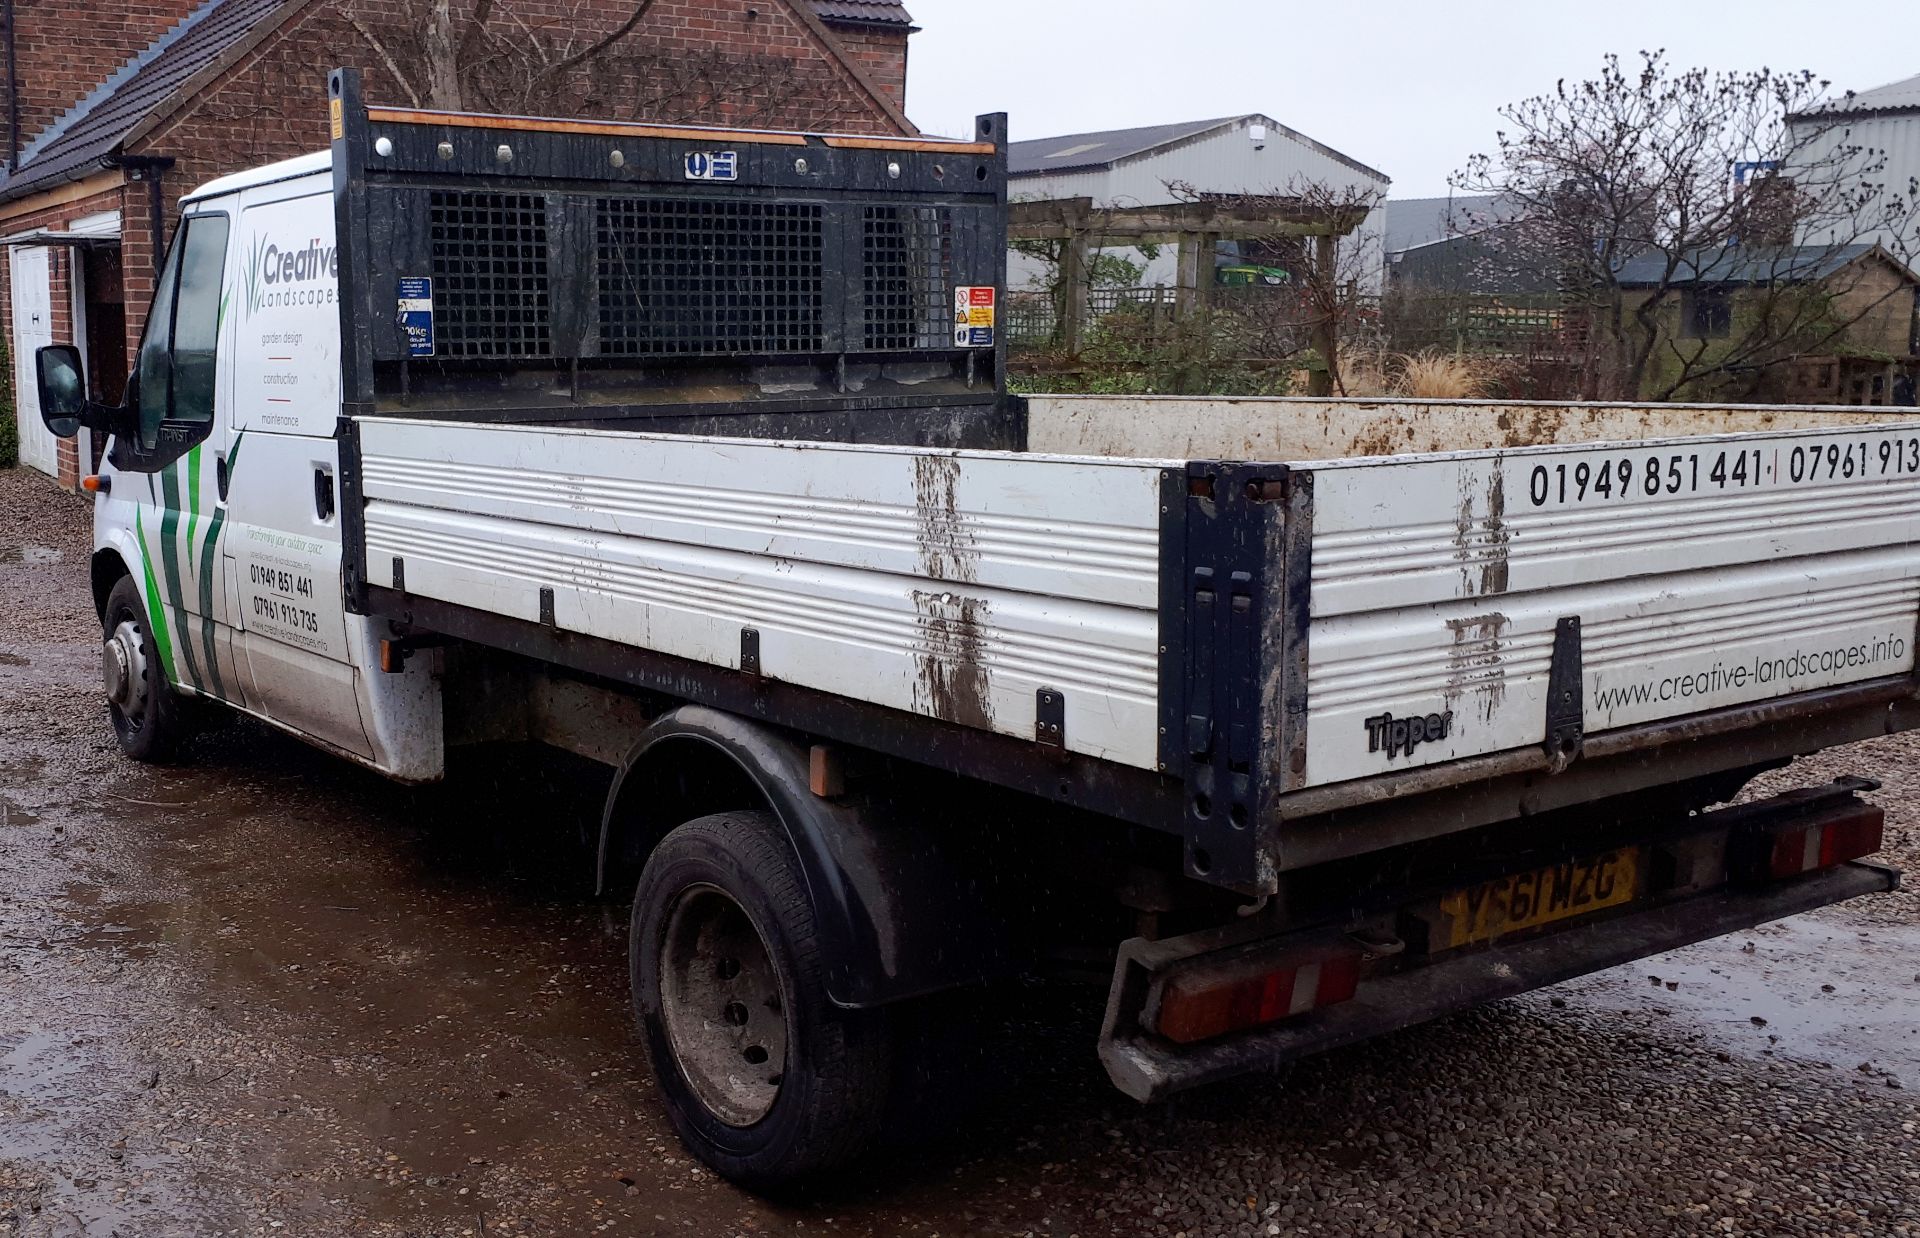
(955, 585)
(1705, 572)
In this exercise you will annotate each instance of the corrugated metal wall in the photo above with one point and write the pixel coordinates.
(1892, 139)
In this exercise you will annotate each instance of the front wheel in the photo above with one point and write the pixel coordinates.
(148, 716)
(765, 1079)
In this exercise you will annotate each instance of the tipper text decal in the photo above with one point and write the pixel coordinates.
(1402, 735)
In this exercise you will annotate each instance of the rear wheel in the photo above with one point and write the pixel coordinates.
(766, 1080)
(148, 716)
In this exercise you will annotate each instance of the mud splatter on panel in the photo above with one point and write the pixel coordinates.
(952, 677)
(1480, 541)
(1494, 564)
(945, 543)
(1476, 662)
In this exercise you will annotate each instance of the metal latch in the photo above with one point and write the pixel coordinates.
(1566, 697)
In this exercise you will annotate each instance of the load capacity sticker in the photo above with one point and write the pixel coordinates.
(973, 323)
(416, 314)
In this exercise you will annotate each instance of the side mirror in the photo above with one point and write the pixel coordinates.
(64, 405)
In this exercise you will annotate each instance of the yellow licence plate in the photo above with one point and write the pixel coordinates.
(1528, 900)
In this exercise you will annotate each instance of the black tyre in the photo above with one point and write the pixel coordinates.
(766, 1080)
(149, 718)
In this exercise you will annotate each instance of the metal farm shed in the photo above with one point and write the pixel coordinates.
(1884, 123)
(1252, 154)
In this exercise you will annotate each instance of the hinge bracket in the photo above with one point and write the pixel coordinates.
(1050, 718)
(1566, 697)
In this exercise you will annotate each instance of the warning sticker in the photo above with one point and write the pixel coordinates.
(713, 165)
(416, 314)
(973, 317)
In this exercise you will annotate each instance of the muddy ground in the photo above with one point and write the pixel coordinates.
(266, 993)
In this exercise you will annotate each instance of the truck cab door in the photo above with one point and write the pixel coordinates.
(166, 462)
(283, 471)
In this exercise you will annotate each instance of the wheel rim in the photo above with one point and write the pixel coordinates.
(123, 670)
(720, 1001)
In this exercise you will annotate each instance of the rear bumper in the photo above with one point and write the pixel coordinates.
(1148, 1068)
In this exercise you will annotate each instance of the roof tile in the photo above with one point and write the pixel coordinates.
(1732, 264)
(93, 128)
(1075, 152)
(884, 12)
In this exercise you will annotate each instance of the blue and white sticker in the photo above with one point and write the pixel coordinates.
(713, 165)
(416, 314)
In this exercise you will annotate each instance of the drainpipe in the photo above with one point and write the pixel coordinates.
(149, 168)
(13, 97)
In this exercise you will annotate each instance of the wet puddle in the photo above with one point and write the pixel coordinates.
(1839, 994)
(32, 556)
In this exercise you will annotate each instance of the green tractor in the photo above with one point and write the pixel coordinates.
(1248, 275)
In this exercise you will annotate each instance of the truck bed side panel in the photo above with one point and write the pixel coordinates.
(1704, 573)
(954, 585)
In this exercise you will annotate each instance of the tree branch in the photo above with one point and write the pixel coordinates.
(386, 58)
(599, 45)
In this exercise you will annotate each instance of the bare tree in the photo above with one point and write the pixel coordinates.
(1640, 188)
(1333, 264)
(511, 57)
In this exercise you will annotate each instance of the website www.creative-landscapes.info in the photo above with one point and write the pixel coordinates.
(1778, 672)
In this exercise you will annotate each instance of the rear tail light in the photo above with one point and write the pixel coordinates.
(1202, 1004)
(1809, 846)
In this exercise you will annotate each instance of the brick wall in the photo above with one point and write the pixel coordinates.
(1879, 303)
(64, 48)
(61, 261)
(882, 53)
(745, 62)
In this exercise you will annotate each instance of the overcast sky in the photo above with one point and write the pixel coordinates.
(1409, 87)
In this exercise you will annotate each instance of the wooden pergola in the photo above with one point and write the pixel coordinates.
(1196, 228)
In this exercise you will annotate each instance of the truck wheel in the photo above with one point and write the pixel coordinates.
(764, 1077)
(147, 714)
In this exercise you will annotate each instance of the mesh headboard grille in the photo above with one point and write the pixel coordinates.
(711, 277)
(488, 255)
(907, 266)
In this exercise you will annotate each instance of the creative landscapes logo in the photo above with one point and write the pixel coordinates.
(277, 276)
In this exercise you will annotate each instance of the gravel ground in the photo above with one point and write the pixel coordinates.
(265, 993)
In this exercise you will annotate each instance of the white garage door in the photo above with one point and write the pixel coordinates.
(32, 327)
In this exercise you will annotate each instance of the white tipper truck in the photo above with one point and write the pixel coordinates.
(690, 451)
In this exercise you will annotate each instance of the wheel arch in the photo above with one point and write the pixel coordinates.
(892, 907)
(107, 567)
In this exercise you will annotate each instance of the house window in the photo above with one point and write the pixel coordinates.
(1706, 313)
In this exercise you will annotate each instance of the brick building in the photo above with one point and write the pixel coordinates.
(125, 105)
